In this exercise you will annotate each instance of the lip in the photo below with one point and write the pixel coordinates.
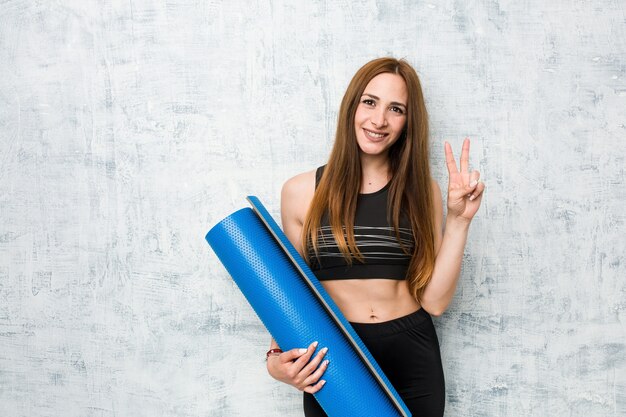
(366, 131)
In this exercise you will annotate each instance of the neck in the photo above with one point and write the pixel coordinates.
(375, 169)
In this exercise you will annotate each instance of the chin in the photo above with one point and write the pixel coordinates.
(373, 152)
(374, 148)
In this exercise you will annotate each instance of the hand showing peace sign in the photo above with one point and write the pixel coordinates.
(464, 188)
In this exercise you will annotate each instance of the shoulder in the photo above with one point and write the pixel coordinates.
(297, 193)
(436, 189)
(437, 198)
(438, 214)
(299, 185)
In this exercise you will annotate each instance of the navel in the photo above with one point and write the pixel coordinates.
(373, 317)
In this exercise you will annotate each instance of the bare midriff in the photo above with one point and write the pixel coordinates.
(371, 300)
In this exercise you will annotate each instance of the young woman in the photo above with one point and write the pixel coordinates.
(369, 223)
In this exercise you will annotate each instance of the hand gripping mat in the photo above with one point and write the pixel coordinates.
(296, 310)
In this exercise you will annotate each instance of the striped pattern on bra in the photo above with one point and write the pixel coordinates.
(374, 242)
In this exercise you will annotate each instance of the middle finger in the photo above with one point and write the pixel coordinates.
(311, 366)
(315, 376)
(302, 360)
(465, 156)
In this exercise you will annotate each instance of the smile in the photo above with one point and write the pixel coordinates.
(374, 135)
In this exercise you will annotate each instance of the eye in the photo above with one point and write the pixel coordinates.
(368, 101)
(397, 109)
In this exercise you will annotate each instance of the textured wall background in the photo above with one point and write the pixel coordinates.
(129, 128)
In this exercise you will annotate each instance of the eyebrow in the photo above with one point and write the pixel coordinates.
(395, 103)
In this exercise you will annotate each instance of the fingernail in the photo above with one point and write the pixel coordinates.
(323, 381)
(315, 344)
(302, 350)
(473, 183)
(472, 197)
(324, 350)
(326, 362)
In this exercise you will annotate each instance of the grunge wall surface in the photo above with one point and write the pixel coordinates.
(127, 129)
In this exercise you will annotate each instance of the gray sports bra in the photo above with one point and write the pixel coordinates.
(375, 238)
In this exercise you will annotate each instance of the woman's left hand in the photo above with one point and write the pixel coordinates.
(465, 190)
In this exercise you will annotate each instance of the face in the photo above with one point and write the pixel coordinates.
(381, 114)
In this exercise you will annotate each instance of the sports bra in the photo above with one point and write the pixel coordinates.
(375, 238)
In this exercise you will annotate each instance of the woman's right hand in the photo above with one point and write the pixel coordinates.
(295, 367)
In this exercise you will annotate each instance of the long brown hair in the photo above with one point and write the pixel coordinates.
(410, 189)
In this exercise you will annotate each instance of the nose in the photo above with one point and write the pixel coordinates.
(378, 118)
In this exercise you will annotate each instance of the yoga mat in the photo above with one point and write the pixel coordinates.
(296, 310)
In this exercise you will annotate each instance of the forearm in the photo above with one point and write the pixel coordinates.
(442, 286)
(273, 344)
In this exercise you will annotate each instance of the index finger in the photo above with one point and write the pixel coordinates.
(450, 162)
(465, 155)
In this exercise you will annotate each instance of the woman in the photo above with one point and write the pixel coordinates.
(370, 225)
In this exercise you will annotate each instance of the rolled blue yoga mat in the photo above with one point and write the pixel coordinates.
(296, 310)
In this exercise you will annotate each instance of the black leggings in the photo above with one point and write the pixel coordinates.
(407, 351)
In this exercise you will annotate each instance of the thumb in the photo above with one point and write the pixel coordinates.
(291, 355)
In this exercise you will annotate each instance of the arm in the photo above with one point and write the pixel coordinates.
(295, 367)
(464, 197)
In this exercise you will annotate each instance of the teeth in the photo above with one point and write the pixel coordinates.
(374, 135)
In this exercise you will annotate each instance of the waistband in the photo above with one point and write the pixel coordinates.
(398, 325)
(362, 271)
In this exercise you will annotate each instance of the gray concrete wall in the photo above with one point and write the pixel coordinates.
(127, 129)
